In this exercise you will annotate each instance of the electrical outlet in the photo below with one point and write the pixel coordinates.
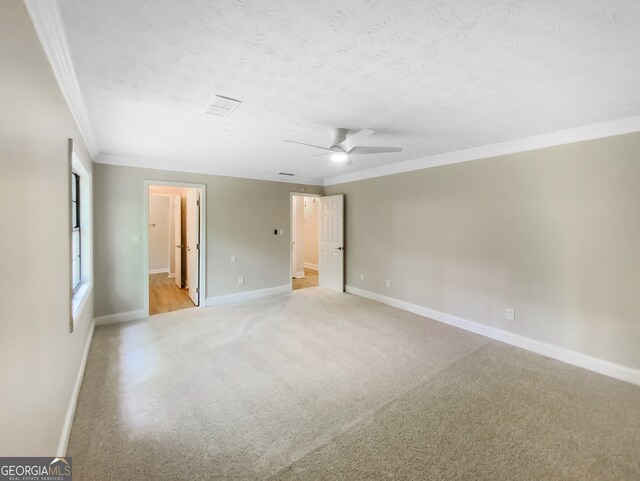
(234, 259)
(241, 280)
(388, 283)
(510, 314)
(361, 277)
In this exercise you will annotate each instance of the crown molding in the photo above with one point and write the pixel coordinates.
(142, 163)
(47, 20)
(561, 137)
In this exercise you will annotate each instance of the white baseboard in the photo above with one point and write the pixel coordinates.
(158, 271)
(309, 265)
(247, 295)
(71, 409)
(172, 275)
(585, 361)
(120, 317)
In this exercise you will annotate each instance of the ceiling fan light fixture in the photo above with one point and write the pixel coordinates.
(339, 156)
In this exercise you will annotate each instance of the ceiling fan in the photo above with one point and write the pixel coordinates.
(342, 147)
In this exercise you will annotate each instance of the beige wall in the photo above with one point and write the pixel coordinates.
(241, 217)
(39, 358)
(311, 231)
(553, 234)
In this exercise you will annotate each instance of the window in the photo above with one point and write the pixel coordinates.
(81, 245)
(75, 232)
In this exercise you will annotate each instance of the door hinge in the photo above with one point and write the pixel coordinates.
(198, 246)
(197, 290)
(198, 203)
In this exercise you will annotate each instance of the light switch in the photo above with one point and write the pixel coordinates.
(280, 231)
(234, 258)
(241, 280)
(388, 283)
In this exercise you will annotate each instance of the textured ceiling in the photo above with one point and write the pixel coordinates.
(431, 76)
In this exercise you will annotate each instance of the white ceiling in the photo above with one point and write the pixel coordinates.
(431, 76)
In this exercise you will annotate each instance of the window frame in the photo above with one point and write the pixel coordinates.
(80, 293)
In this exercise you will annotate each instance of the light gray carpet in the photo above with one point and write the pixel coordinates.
(316, 385)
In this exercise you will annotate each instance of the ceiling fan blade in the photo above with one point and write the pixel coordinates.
(374, 150)
(350, 142)
(308, 145)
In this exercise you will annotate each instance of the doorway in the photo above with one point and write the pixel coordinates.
(317, 258)
(174, 246)
(304, 241)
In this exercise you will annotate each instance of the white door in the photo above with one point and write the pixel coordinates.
(177, 238)
(330, 242)
(193, 245)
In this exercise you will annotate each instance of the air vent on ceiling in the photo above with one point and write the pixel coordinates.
(222, 106)
(286, 173)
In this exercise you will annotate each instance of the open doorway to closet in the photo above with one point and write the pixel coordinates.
(174, 216)
(304, 241)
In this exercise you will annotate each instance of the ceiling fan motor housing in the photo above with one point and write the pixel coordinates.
(338, 136)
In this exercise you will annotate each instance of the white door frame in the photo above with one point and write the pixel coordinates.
(291, 196)
(193, 284)
(145, 236)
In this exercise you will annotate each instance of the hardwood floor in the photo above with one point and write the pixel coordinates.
(165, 296)
(310, 279)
